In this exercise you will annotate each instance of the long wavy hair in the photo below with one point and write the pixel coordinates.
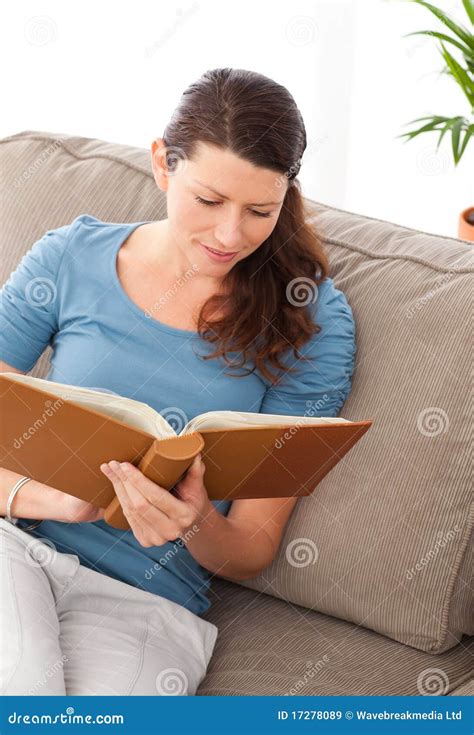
(258, 120)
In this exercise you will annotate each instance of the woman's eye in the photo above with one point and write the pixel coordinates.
(206, 201)
(210, 203)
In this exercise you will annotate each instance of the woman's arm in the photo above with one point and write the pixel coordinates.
(237, 547)
(243, 543)
(234, 548)
(43, 502)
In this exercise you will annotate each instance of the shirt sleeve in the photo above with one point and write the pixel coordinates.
(320, 386)
(29, 301)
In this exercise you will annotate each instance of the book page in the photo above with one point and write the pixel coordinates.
(143, 417)
(136, 414)
(240, 419)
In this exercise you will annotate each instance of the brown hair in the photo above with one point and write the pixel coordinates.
(258, 120)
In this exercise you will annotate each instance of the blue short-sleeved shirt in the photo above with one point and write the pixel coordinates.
(65, 292)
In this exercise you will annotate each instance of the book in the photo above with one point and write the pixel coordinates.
(60, 434)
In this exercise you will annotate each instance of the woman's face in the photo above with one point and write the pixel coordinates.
(220, 201)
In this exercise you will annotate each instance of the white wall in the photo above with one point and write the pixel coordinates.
(115, 70)
(396, 80)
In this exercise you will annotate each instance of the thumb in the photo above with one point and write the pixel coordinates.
(194, 474)
(197, 467)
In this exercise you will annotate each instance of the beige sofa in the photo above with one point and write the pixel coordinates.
(372, 590)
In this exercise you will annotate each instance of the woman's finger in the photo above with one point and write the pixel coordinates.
(160, 498)
(145, 519)
(123, 495)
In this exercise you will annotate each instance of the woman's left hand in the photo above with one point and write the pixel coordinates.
(156, 515)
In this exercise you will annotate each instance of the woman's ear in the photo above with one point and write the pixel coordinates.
(158, 163)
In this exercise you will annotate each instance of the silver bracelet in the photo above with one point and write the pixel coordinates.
(13, 492)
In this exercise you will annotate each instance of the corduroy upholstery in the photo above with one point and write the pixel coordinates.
(374, 570)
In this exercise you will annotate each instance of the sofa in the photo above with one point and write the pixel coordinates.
(371, 592)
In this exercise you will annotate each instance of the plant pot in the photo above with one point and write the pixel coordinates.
(466, 225)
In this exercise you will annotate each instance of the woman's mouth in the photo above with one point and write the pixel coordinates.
(217, 256)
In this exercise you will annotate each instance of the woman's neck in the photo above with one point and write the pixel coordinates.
(160, 247)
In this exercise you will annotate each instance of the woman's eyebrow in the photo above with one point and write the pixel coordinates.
(222, 196)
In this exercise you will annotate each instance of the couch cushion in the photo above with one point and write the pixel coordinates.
(465, 690)
(266, 647)
(383, 540)
(48, 179)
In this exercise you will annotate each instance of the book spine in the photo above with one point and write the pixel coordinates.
(167, 460)
(165, 463)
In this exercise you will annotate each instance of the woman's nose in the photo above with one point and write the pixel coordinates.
(230, 235)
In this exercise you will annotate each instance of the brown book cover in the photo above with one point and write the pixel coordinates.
(60, 434)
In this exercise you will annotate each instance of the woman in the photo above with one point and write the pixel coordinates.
(136, 309)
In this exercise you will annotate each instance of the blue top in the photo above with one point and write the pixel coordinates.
(65, 292)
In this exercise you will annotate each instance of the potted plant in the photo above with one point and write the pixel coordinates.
(461, 45)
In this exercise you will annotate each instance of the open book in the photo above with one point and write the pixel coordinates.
(60, 434)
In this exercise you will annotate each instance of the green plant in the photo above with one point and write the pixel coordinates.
(462, 43)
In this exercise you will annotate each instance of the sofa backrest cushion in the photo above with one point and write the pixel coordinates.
(383, 541)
